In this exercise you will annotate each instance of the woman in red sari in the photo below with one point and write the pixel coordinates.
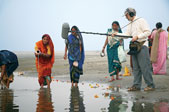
(44, 52)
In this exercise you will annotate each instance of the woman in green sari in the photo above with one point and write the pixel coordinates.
(112, 44)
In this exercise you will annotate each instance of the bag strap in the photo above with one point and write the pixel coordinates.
(130, 23)
(142, 43)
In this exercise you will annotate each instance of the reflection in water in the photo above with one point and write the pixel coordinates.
(45, 103)
(6, 101)
(161, 107)
(119, 104)
(76, 101)
(142, 107)
(116, 105)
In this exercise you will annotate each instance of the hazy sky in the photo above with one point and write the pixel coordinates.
(23, 22)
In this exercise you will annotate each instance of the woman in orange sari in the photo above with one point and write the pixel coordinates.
(44, 52)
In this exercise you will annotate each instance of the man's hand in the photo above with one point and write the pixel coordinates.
(135, 38)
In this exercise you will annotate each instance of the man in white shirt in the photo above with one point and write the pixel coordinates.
(139, 30)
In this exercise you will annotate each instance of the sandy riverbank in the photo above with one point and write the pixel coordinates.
(95, 71)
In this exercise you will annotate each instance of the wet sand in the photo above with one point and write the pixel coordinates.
(95, 93)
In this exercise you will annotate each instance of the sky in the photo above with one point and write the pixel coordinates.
(23, 22)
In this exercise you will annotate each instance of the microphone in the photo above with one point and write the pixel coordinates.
(65, 30)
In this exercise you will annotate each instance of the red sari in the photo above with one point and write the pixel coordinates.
(44, 65)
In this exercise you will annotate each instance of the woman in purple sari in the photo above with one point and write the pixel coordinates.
(76, 55)
(159, 50)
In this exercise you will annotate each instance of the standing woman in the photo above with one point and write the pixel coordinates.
(76, 55)
(112, 44)
(44, 52)
(159, 50)
(8, 64)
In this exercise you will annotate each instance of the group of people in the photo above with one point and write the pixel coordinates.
(142, 60)
(44, 52)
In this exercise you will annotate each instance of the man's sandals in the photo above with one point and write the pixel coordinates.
(149, 89)
(133, 88)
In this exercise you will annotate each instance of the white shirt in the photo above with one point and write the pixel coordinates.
(138, 28)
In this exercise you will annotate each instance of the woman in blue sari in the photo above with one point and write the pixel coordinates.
(8, 64)
(112, 44)
(76, 54)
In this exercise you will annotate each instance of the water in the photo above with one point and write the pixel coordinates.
(26, 96)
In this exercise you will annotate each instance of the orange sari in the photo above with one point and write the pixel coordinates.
(44, 65)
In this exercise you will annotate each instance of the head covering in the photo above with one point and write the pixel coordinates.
(130, 10)
(117, 23)
(73, 46)
(43, 48)
(50, 41)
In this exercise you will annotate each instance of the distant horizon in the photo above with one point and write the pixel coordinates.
(23, 22)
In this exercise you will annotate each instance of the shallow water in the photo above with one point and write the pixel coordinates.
(26, 96)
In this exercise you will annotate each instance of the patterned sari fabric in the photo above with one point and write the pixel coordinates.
(11, 61)
(114, 64)
(113, 60)
(159, 65)
(44, 65)
(74, 54)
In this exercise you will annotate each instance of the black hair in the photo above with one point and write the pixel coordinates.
(117, 23)
(158, 25)
(75, 27)
(168, 28)
(45, 35)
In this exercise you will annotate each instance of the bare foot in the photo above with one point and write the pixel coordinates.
(118, 78)
(41, 86)
(72, 84)
(111, 80)
(76, 84)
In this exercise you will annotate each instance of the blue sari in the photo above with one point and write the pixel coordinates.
(74, 54)
(10, 60)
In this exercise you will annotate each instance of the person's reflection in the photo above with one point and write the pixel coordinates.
(6, 101)
(116, 103)
(76, 101)
(142, 107)
(161, 107)
(45, 103)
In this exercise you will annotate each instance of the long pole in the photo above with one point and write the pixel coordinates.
(104, 34)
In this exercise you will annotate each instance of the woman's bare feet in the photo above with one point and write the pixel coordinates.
(72, 84)
(76, 84)
(48, 83)
(112, 79)
(117, 78)
(41, 85)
